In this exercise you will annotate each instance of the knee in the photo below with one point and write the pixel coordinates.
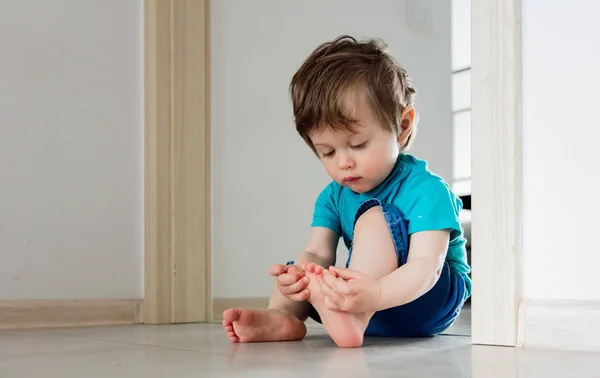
(374, 244)
(373, 217)
(383, 224)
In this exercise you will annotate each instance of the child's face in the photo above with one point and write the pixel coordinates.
(362, 159)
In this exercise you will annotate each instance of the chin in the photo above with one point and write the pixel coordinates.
(359, 188)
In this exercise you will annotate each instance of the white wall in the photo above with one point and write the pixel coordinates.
(561, 76)
(71, 137)
(265, 178)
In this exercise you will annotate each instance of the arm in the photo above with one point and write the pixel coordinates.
(426, 256)
(321, 248)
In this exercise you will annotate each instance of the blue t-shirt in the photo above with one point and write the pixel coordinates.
(425, 200)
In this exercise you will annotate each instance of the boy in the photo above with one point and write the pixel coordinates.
(407, 272)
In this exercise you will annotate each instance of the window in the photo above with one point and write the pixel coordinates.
(461, 96)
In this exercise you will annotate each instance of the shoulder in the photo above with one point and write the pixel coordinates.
(423, 183)
(331, 192)
(427, 201)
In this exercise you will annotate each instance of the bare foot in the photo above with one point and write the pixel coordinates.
(346, 329)
(245, 326)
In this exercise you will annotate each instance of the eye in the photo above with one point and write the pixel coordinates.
(359, 146)
(328, 154)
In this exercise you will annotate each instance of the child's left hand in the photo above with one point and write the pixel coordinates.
(349, 290)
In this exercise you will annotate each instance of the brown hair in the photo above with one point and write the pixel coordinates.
(322, 84)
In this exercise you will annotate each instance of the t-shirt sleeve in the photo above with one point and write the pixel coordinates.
(326, 213)
(429, 204)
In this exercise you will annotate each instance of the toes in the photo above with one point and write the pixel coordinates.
(231, 315)
(231, 333)
(310, 267)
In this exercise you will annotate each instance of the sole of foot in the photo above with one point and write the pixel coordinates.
(345, 329)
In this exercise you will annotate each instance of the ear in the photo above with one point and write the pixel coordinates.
(407, 122)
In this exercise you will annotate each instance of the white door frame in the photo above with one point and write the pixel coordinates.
(497, 186)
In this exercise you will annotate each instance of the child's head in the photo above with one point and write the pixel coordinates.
(353, 105)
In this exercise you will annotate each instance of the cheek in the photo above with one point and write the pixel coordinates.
(373, 164)
(330, 167)
(369, 164)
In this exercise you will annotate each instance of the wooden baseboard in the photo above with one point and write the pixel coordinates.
(68, 313)
(567, 325)
(222, 304)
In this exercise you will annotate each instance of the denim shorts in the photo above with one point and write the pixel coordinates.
(428, 315)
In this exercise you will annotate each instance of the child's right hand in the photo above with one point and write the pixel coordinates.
(292, 281)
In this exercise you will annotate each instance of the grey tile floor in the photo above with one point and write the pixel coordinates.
(202, 350)
(462, 324)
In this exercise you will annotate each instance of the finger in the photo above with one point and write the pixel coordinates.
(301, 296)
(347, 274)
(277, 269)
(333, 296)
(333, 272)
(319, 269)
(329, 278)
(330, 305)
(339, 285)
(293, 269)
(287, 279)
(296, 271)
(296, 287)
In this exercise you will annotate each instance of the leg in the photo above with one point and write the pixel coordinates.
(373, 251)
(431, 313)
(428, 315)
(282, 321)
(374, 254)
(279, 302)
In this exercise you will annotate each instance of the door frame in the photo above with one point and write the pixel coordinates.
(178, 166)
(497, 165)
(177, 263)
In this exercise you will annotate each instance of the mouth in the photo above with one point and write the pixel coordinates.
(351, 179)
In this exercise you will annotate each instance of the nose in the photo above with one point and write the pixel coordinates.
(345, 161)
